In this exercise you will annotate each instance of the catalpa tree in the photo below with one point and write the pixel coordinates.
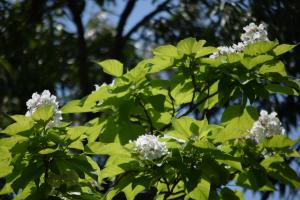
(151, 126)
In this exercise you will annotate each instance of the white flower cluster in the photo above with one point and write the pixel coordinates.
(253, 34)
(266, 126)
(44, 99)
(149, 147)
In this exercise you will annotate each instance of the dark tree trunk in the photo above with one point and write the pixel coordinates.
(76, 7)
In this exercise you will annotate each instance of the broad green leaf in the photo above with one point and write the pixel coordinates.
(185, 46)
(276, 88)
(259, 48)
(237, 122)
(255, 179)
(228, 194)
(278, 141)
(10, 142)
(204, 144)
(229, 160)
(213, 62)
(283, 48)
(166, 50)
(44, 113)
(284, 173)
(95, 166)
(157, 101)
(77, 145)
(270, 160)
(76, 132)
(236, 114)
(28, 192)
(5, 160)
(158, 64)
(182, 126)
(250, 63)
(76, 106)
(96, 96)
(273, 67)
(107, 149)
(204, 51)
(183, 92)
(47, 151)
(112, 67)
(234, 57)
(113, 166)
(198, 45)
(19, 127)
(139, 72)
(201, 191)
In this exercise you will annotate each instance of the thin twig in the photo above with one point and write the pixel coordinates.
(172, 101)
(147, 115)
(159, 8)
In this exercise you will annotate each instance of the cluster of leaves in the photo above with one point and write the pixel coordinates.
(204, 158)
(39, 162)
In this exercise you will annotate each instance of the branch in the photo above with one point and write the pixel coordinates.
(124, 16)
(172, 101)
(119, 39)
(159, 8)
(147, 115)
(198, 104)
(76, 8)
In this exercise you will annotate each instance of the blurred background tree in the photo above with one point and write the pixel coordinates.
(52, 44)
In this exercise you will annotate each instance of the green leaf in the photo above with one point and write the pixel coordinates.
(259, 48)
(278, 141)
(234, 57)
(158, 64)
(113, 166)
(186, 46)
(182, 126)
(76, 106)
(250, 63)
(5, 160)
(183, 92)
(19, 127)
(283, 48)
(112, 67)
(198, 45)
(166, 50)
(157, 101)
(276, 88)
(255, 179)
(228, 194)
(76, 132)
(204, 51)
(107, 149)
(10, 142)
(47, 151)
(273, 67)
(201, 191)
(237, 122)
(44, 113)
(284, 173)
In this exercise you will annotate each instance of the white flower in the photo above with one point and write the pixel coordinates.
(266, 126)
(254, 33)
(44, 99)
(149, 147)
